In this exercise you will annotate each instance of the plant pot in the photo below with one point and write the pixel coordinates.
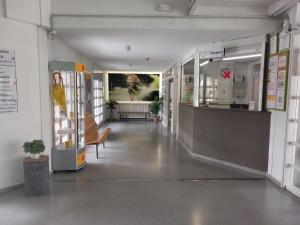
(156, 119)
(36, 176)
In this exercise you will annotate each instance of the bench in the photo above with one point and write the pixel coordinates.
(146, 114)
(92, 134)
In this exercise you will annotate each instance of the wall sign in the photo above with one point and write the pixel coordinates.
(8, 82)
(226, 73)
(213, 54)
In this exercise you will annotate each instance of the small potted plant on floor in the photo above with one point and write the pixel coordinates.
(154, 109)
(111, 105)
(36, 169)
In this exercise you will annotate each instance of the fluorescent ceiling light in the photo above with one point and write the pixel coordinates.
(204, 63)
(242, 57)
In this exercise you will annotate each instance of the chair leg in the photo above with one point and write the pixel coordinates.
(97, 152)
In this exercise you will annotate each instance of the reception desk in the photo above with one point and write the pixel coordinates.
(234, 136)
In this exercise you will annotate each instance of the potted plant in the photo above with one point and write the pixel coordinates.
(111, 105)
(155, 108)
(36, 169)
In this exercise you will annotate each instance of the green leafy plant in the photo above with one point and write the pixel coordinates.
(111, 104)
(35, 147)
(155, 107)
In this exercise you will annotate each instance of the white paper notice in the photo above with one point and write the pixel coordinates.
(280, 101)
(284, 42)
(8, 82)
(273, 45)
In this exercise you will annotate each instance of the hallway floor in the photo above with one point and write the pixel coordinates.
(145, 178)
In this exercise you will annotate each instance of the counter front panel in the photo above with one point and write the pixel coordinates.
(235, 136)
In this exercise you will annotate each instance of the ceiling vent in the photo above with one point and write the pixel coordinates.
(164, 7)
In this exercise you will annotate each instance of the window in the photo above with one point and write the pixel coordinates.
(231, 81)
(98, 95)
(187, 82)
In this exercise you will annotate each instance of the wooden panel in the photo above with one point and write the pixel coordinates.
(186, 127)
(234, 136)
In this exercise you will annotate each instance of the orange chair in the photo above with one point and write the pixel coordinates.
(92, 134)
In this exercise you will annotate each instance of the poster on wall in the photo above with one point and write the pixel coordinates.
(272, 82)
(8, 82)
(273, 44)
(282, 80)
(277, 81)
(284, 42)
(133, 87)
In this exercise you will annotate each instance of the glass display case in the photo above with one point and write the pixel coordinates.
(68, 109)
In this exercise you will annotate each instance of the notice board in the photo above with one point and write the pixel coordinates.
(8, 82)
(278, 70)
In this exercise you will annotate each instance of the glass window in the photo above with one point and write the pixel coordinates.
(187, 82)
(232, 82)
(98, 91)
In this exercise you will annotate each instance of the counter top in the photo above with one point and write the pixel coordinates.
(223, 109)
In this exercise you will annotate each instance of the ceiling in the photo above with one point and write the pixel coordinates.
(107, 46)
(231, 8)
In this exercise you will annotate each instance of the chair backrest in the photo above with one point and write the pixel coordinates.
(91, 128)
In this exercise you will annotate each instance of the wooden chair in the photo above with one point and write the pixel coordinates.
(92, 134)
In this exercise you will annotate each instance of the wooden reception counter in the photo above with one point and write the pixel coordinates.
(239, 137)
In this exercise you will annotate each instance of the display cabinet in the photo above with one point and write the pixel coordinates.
(68, 109)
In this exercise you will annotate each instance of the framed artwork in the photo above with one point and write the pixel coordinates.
(133, 86)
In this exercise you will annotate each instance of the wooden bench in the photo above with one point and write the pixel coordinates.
(92, 134)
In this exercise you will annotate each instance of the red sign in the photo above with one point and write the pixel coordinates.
(226, 73)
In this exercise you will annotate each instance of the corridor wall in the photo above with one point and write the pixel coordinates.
(29, 40)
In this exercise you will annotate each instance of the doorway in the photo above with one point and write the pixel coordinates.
(170, 104)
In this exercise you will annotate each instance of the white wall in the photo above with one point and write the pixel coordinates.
(23, 31)
(16, 128)
(60, 51)
(278, 134)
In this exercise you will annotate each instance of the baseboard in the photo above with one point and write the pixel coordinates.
(12, 188)
(274, 180)
(295, 191)
(221, 162)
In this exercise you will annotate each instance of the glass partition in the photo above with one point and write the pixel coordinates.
(230, 82)
(187, 82)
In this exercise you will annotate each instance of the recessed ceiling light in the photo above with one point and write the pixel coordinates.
(164, 7)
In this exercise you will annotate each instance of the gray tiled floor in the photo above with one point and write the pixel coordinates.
(145, 178)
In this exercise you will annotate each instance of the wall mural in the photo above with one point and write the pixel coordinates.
(133, 87)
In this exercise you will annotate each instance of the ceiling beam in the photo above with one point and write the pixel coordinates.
(193, 7)
(278, 7)
(163, 23)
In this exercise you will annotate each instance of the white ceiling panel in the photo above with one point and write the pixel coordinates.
(107, 47)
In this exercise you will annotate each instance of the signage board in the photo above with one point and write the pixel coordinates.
(8, 82)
